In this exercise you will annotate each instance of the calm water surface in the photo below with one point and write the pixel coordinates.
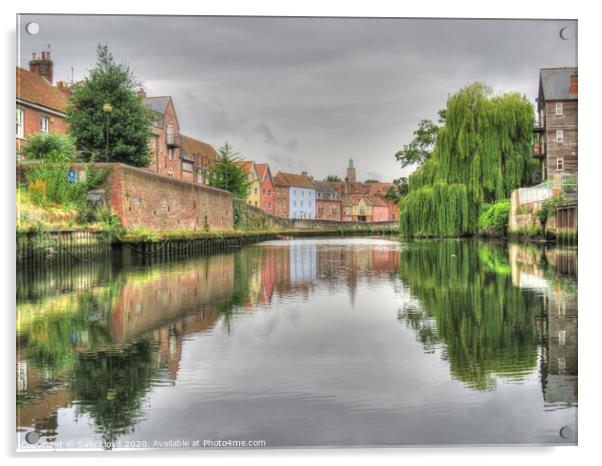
(305, 342)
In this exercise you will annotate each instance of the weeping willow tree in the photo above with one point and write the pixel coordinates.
(483, 153)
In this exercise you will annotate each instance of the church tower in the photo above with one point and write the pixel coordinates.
(350, 172)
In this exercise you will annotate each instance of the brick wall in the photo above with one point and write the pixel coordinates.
(327, 209)
(143, 199)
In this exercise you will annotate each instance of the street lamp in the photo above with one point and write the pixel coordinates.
(107, 108)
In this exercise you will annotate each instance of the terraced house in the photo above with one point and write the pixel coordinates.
(300, 193)
(267, 188)
(250, 169)
(328, 202)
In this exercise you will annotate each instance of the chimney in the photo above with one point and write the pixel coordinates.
(63, 87)
(573, 88)
(42, 66)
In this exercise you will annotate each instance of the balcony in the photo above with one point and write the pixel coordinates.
(539, 150)
(538, 127)
(173, 140)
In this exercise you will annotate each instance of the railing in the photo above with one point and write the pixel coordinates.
(568, 185)
(538, 126)
(173, 140)
(536, 193)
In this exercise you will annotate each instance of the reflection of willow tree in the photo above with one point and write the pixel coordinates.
(110, 386)
(469, 306)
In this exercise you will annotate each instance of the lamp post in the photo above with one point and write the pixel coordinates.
(107, 108)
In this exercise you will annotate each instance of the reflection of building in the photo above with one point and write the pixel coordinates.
(558, 322)
(560, 383)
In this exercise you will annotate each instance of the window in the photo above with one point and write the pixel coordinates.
(20, 121)
(255, 190)
(170, 153)
(559, 164)
(559, 135)
(558, 108)
(44, 124)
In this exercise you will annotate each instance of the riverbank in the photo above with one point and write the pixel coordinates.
(39, 246)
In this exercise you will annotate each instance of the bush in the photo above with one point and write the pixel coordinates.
(494, 219)
(548, 209)
(43, 145)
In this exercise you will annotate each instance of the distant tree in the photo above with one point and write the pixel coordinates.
(371, 181)
(227, 174)
(399, 189)
(333, 178)
(419, 150)
(129, 121)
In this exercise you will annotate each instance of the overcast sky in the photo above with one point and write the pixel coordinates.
(308, 93)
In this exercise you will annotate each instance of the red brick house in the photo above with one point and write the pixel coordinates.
(328, 202)
(197, 157)
(380, 209)
(40, 105)
(267, 188)
(166, 142)
(281, 195)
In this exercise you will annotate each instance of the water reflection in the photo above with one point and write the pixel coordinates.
(99, 344)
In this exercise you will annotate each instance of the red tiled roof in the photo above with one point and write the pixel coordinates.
(263, 169)
(246, 165)
(379, 188)
(35, 89)
(196, 148)
(293, 179)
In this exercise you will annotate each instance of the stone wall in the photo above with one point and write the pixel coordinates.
(155, 202)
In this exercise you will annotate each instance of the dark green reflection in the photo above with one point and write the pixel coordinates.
(110, 386)
(466, 304)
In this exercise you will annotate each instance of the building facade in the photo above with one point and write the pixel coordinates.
(267, 188)
(556, 124)
(328, 203)
(281, 198)
(197, 158)
(301, 194)
(250, 169)
(166, 142)
(40, 106)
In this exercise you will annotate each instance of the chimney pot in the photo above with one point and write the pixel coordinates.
(574, 81)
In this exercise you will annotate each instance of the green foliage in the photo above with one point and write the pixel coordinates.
(468, 306)
(227, 174)
(247, 219)
(548, 209)
(494, 218)
(419, 150)
(399, 189)
(129, 122)
(49, 145)
(483, 149)
(440, 210)
(333, 178)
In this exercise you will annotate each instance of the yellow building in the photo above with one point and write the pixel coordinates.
(250, 169)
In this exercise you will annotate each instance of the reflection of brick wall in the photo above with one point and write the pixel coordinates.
(143, 199)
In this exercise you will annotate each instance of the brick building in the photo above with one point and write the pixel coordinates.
(197, 157)
(556, 124)
(267, 187)
(281, 196)
(40, 106)
(328, 202)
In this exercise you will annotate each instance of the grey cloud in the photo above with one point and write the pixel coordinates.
(339, 88)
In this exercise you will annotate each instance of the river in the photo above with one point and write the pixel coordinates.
(307, 342)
